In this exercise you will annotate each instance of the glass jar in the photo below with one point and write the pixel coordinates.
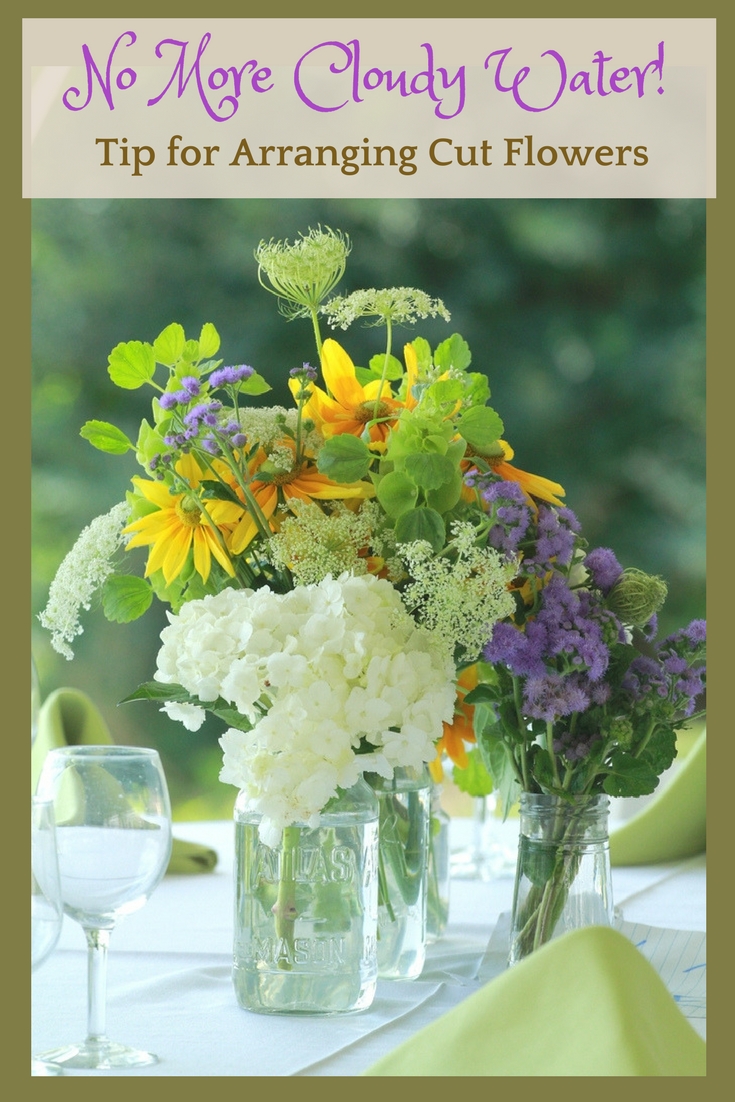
(563, 879)
(437, 893)
(405, 814)
(306, 912)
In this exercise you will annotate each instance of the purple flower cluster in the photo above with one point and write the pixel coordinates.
(191, 388)
(676, 674)
(575, 748)
(563, 652)
(510, 513)
(306, 371)
(603, 567)
(224, 376)
(556, 532)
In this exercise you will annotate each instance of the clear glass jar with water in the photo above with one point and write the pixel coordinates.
(306, 912)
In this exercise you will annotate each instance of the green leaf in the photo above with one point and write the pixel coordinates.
(149, 443)
(125, 598)
(453, 352)
(429, 471)
(537, 860)
(394, 371)
(364, 375)
(131, 364)
(106, 437)
(218, 490)
(254, 384)
(190, 352)
(474, 779)
(481, 694)
(447, 495)
(344, 458)
(227, 714)
(629, 776)
(397, 493)
(660, 750)
(446, 392)
(421, 524)
(480, 426)
(169, 344)
(209, 341)
(478, 391)
(422, 348)
(155, 691)
(489, 735)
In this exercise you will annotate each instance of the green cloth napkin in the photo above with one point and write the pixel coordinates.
(673, 825)
(587, 1003)
(69, 718)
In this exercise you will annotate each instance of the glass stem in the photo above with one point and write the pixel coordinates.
(97, 943)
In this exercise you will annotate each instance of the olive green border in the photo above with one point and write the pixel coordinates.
(15, 538)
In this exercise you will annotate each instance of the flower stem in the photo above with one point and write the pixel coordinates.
(284, 909)
(388, 346)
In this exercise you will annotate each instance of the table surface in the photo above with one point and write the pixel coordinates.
(170, 991)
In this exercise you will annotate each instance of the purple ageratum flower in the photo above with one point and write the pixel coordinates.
(575, 748)
(191, 385)
(696, 632)
(553, 696)
(555, 538)
(521, 651)
(306, 371)
(210, 445)
(168, 401)
(205, 413)
(603, 567)
(645, 677)
(510, 512)
(576, 626)
(570, 626)
(230, 375)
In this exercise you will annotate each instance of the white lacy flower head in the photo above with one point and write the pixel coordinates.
(319, 672)
(82, 575)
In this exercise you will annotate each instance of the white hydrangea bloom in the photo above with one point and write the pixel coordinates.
(318, 671)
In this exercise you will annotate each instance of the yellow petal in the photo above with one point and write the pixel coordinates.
(176, 554)
(339, 375)
(213, 544)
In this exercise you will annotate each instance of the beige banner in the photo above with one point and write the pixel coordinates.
(472, 108)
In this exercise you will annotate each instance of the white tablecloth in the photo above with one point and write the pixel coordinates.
(169, 986)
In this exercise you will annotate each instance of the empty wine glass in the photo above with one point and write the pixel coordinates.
(47, 911)
(113, 831)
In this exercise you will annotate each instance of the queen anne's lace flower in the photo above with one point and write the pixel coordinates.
(81, 575)
(319, 672)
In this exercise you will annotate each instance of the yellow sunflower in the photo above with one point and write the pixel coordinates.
(347, 405)
(177, 526)
(301, 481)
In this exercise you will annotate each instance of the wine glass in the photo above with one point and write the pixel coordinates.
(47, 910)
(113, 832)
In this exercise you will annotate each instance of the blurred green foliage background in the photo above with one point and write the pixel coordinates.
(588, 317)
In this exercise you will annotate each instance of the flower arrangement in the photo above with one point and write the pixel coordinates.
(365, 580)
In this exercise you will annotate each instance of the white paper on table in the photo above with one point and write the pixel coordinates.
(679, 957)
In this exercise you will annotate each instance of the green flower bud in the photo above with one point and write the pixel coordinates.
(621, 729)
(637, 596)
